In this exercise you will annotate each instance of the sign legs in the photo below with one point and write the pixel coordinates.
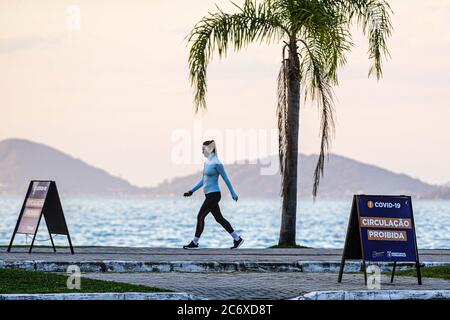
(11, 242)
(341, 269)
(393, 271)
(419, 275)
(364, 271)
(35, 233)
(70, 244)
(32, 242)
(53, 244)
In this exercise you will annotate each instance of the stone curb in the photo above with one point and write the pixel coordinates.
(118, 266)
(101, 296)
(377, 295)
(356, 266)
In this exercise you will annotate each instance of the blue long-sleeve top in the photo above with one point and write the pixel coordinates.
(210, 180)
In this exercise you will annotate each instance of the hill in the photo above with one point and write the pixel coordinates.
(23, 160)
(343, 178)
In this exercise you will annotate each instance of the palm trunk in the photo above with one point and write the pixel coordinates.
(289, 205)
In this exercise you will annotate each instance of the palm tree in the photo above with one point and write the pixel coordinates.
(315, 36)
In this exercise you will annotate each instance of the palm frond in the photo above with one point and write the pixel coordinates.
(374, 16)
(220, 30)
(323, 29)
(326, 32)
(283, 128)
(325, 39)
(317, 86)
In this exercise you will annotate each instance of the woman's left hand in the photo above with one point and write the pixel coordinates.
(235, 197)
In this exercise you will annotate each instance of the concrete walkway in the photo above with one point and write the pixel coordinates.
(248, 286)
(202, 255)
(251, 273)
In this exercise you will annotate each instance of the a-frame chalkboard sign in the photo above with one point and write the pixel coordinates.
(42, 199)
(381, 229)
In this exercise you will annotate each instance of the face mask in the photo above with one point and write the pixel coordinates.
(207, 151)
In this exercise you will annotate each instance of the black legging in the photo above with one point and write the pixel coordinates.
(211, 204)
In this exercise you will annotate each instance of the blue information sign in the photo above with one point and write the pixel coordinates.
(381, 229)
(387, 228)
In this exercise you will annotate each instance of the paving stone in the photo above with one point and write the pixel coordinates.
(263, 285)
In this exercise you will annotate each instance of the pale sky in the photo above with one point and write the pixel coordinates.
(115, 91)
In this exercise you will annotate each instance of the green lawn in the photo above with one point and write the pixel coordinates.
(432, 272)
(20, 281)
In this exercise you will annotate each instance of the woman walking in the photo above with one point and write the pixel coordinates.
(210, 182)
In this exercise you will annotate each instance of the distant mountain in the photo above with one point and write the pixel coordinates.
(343, 178)
(23, 160)
(441, 193)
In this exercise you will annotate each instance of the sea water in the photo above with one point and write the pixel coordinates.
(170, 222)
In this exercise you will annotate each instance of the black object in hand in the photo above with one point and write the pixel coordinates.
(188, 194)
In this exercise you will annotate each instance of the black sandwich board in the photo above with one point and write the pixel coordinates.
(42, 199)
(381, 229)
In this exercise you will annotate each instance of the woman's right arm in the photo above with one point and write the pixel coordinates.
(197, 186)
